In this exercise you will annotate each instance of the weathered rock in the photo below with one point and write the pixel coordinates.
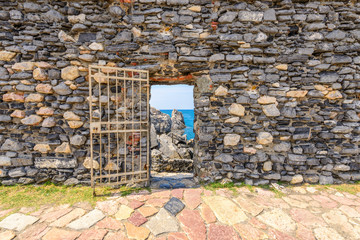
(70, 73)
(39, 74)
(297, 94)
(221, 91)
(52, 162)
(271, 110)
(63, 148)
(231, 139)
(167, 147)
(11, 145)
(32, 120)
(23, 66)
(237, 110)
(5, 161)
(264, 138)
(45, 111)
(77, 140)
(6, 55)
(49, 122)
(267, 100)
(43, 148)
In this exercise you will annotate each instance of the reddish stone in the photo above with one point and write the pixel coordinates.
(54, 215)
(110, 223)
(277, 235)
(17, 97)
(5, 212)
(134, 204)
(161, 194)
(207, 214)
(325, 201)
(177, 236)
(181, 78)
(178, 193)
(34, 232)
(303, 233)
(137, 219)
(59, 234)
(345, 200)
(93, 234)
(248, 232)
(193, 224)
(256, 223)
(305, 217)
(157, 202)
(192, 198)
(221, 232)
(208, 193)
(109, 207)
(115, 236)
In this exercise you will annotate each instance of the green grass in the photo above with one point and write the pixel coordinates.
(15, 197)
(353, 188)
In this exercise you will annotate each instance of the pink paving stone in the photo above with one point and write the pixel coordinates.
(7, 235)
(263, 192)
(178, 193)
(84, 205)
(192, 198)
(193, 224)
(177, 236)
(5, 212)
(34, 232)
(134, 204)
(110, 223)
(162, 194)
(303, 233)
(115, 236)
(277, 235)
(122, 201)
(325, 201)
(351, 196)
(157, 202)
(306, 218)
(93, 234)
(270, 202)
(221, 232)
(160, 238)
(345, 200)
(137, 219)
(222, 192)
(54, 215)
(108, 207)
(207, 214)
(66, 219)
(256, 223)
(59, 234)
(248, 232)
(207, 193)
(27, 210)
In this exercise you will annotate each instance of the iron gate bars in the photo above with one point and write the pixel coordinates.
(119, 125)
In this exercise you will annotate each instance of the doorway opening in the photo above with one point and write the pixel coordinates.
(172, 136)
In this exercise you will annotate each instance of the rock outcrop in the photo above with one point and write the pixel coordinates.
(171, 151)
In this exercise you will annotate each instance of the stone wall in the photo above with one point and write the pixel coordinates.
(276, 83)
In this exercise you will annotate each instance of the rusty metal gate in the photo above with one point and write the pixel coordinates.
(119, 125)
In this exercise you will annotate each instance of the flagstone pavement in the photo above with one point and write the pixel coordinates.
(302, 213)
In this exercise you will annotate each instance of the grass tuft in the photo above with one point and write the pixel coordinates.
(18, 196)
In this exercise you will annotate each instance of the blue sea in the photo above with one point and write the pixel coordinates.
(189, 121)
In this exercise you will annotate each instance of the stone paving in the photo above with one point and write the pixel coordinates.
(303, 213)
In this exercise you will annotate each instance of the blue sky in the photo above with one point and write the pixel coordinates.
(172, 97)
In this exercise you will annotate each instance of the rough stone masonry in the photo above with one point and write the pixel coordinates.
(277, 83)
